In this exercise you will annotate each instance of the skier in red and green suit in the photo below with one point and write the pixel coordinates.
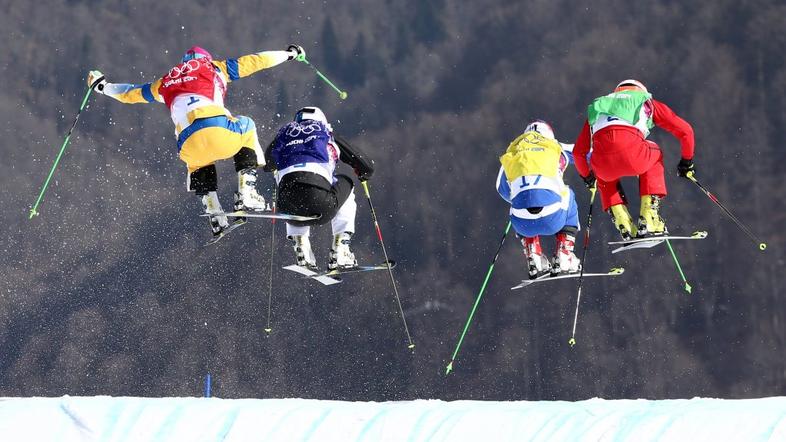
(615, 133)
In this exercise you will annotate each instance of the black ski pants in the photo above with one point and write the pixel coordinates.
(308, 194)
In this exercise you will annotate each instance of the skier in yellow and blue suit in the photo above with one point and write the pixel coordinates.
(530, 179)
(206, 131)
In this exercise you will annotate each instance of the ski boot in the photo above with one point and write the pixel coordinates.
(537, 263)
(211, 204)
(247, 198)
(650, 221)
(565, 261)
(303, 253)
(622, 221)
(341, 257)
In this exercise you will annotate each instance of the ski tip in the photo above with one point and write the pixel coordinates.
(701, 234)
(762, 246)
(617, 271)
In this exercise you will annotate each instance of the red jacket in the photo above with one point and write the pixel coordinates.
(662, 116)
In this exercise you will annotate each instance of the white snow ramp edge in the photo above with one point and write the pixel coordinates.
(200, 419)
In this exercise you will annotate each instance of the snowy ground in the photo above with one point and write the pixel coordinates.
(200, 419)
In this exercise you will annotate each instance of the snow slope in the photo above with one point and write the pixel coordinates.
(200, 419)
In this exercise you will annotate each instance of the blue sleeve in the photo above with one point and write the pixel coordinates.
(503, 188)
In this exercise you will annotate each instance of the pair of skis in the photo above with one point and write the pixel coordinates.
(331, 277)
(637, 243)
(240, 218)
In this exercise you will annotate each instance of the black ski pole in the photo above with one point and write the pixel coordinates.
(714, 199)
(272, 255)
(387, 261)
(593, 189)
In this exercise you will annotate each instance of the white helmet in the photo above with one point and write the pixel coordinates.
(311, 113)
(542, 128)
(632, 83)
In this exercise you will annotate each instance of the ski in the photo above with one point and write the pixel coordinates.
(234, 225)
(270, 215)
(326, 280)
(547, 277)
(648, 242)
(357, 269)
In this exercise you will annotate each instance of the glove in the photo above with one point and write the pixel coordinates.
(268, 167)
(296, 52)
(96, 80)
(364, 174)
(589, 180)
(685, 167)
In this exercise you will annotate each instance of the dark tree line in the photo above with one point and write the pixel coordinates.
(109, 291)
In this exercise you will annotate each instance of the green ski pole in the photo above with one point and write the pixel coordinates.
(34, 209)
(341, 94)
(449, 368)
(679, 268)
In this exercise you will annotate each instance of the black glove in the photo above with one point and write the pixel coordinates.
(296, 51)
(589, 180)
(269, 167)
(685, 167)
(364, 173)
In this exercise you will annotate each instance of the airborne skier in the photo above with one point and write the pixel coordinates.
(304, 154)
(615, 131)
(206, 131)
(530, 179)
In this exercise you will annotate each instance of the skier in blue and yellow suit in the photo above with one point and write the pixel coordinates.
(530, 179)
(206, 131)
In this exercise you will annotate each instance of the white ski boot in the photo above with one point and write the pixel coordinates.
(211, 204)
(537, 263)
(341, 257)
(565, 261)
(247, 198)
(303, 253)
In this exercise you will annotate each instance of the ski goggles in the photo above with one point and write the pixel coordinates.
(192, 56)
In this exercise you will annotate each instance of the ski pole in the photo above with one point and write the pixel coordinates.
(387, 261)
(679, 268)
(34, 209)
(272, 254)
(341, 94)
(449, 368)
(714, 199)
(593, 190)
